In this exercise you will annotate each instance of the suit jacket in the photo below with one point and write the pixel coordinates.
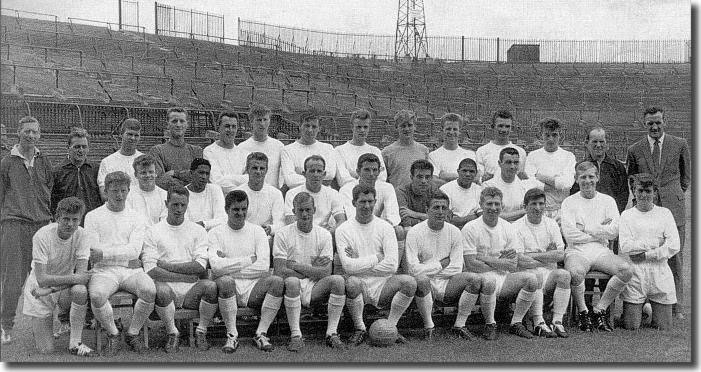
(674, 175)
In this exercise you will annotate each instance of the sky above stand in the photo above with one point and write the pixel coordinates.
(536, 19)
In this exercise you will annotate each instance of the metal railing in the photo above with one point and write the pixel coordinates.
(172, 21)
(461, 48)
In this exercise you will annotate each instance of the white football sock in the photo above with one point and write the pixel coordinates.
(293, 308)
(207, 312)
(335, 310)
(228, 309)
(268, 311)
(425, 306)
(561, 298)
(465, 304)
(536, 310)
(355, 308)
(142, 310)
(578, 296)
(105, 316)
(167, 315)
(488, 302)
(400, 302)
(613, 289)
(524, 300)
(77, 318)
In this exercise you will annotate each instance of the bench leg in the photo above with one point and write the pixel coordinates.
(191, 332)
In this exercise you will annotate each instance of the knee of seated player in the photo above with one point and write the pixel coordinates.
(147, 291)
(338, 285)
(488, 284)
(407, 285)
(292, 286)
(624, 272)
(577, 275)
(423, 285)
(276, 285)
(354, 287)
(472, 283)
(209, 290)
(562, 278)
(98, 296)
(539, 280)
(164, 294)
(226, 286)
(79, 294)
(531, 283)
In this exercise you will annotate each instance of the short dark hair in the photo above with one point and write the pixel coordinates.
(652, 110)
(308, 115)
(143, 161)
(421, 164)
(196, 162)
(70, 205)
(363, 189)
(227, 114)
(77, 133)
(314, 157)
(258, 111)
(467, 161)
(551, 124)
(368, 157)
(439, 195)
(360, 114)
(451, 117)
(256, 156)
(504, 114)
(403, 116)
(301, 198)
(644, 180)
(175, 109)
(508, 151)
(533, 194)
(131, 124)
(236, 196)
(177, 189)
(491, 192)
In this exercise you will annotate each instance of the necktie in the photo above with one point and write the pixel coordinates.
(656, 155)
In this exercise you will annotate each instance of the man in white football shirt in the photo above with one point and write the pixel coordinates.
(259, 116)
(434, 256)
(349, 152)
(541, 248)
(367, 247)
(146, 198)
(302, 254)
(265, 203)
(495, 242)
(329, 207)
(122, 159)
(240, 258)
(488, 155)
(553, 166)
(117, 238)
(464, 194)
(649, 237)
(589, 221)
(175, 256)
(446, 158)
(513, 188)
(228, 160)
(206, 207)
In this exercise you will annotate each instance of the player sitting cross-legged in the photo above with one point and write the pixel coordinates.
(367, 247)
(302, 254)
(59, 276)
(434, 255)
(649, 237)
(495, 242)
(240, 258)
(540, 249)
(175, 256)
(589, 221)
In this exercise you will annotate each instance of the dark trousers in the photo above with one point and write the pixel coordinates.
(676, 263)
(15, 262)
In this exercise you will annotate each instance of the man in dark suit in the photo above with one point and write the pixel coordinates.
(666, 157)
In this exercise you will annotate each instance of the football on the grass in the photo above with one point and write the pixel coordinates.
(382, 333)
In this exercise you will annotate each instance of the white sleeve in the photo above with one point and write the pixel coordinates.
(287, 169)
(352, 265)
(565, 179)
(262, 264)
(278, 211)
(671, 245)
(415, 267)
(219, 215)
